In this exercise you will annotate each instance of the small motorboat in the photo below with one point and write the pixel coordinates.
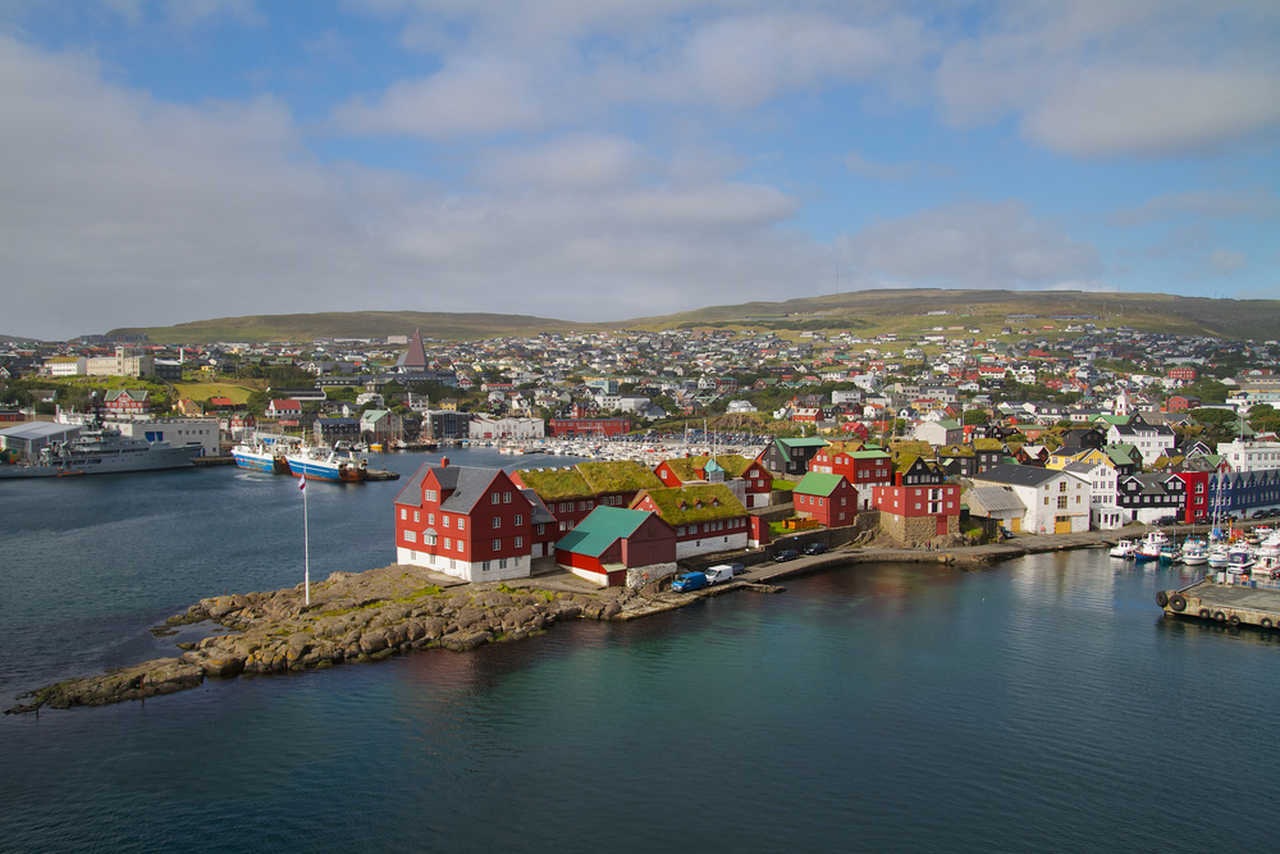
(1124, 549)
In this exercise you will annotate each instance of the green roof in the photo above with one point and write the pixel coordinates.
(869, 455)
(588, 479)
(556, 484)
(987, 444)
(817, 483)
(803, 442)
(1121, 454)
(618, 476)
(1113, 419)
(949, 424)
(701, 502)
(686, 467)
(602, 527)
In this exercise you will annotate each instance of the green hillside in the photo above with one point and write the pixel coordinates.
(864, 312)
(351, 324)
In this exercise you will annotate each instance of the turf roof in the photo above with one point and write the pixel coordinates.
(680, 505)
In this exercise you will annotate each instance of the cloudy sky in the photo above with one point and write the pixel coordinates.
(172, 160)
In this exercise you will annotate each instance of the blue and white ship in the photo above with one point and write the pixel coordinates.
(259, 458)
(323, 464)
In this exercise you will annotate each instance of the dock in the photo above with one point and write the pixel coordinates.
(1230, 604)
(381, 474)
(200, 462)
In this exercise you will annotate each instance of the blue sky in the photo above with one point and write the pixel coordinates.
(172, 160)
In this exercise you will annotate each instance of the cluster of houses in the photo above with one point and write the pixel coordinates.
(620, 522)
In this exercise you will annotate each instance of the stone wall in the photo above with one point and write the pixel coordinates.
(915, 530)
(641, 575)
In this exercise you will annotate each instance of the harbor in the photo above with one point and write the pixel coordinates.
(1233, 605)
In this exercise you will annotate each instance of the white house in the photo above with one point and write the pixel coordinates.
(1104, 512)
(1056, 502)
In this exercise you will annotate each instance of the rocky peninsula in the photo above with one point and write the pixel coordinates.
(353, 617)
(371, 615)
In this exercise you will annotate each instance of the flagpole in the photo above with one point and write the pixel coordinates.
(306, 546)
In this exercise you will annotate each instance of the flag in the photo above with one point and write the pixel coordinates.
(302, 482)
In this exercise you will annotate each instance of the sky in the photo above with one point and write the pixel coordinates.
(174, 160)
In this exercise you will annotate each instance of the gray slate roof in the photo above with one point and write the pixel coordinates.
(1017, 475)
(989, 500)
(467, 482)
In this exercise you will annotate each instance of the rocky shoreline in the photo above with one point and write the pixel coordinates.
(353, 617)
(371, 615)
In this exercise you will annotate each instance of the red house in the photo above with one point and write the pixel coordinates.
(126, 401)
(469, 522)
(863, 467)
(569, 427)
(757, 486)
(1196, 498)
(613, 547)
(285, 407)
(828, 499)
(706, 518)
(920, 505)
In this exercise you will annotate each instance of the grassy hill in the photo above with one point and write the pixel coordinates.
(349, 324)
(866, 312)
(908, 311)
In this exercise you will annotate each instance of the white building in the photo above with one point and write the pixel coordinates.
(1104, 512)
(1153, 440)
(486, 427)
(1247, 455)
(177, 432)
(1056, 502)
(66, 366)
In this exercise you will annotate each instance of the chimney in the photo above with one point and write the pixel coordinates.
(444, 462)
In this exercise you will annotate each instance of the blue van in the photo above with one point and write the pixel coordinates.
(689, 581)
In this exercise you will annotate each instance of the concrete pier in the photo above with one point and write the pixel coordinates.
(1234, 605)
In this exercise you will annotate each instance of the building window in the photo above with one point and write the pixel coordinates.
(506, 498)
(494, 498)
(538, 529)
(416, 516)
(431, 518)
(502, 563)
(410, 536)
(448, 544)
(444, 519)
(497, 522)
(429, 494)
(462, 523)
(404, 514)
(497, 545)
(519, 520)
(519, 542)
(429, 538)
(1062, 502)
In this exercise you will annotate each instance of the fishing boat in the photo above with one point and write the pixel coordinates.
(1124, 549)
(259, 458)
(1195, 552)
(1149, 548)
(324, 464)
(1170, 554)
(1219, 555)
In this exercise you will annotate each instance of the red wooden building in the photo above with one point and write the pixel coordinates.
(469, 522)
(706, 517)
(920, 505)
(756, 485)
(863, 467)
(828, 499)
(614, 547)
(603, 427)
(1197, 502)
(126, 401)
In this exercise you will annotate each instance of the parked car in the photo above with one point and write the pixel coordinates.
(785, 555)
(1167, 520)
(816, 547)
(722, 572)
(1004, 533)
(689, 581)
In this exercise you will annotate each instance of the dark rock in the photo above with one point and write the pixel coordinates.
(373, 641)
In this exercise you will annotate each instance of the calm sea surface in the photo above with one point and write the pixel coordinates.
(1044, 705)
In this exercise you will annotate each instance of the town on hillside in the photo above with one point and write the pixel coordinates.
(705, 441)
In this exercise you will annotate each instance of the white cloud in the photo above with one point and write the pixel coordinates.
(1211, 204)
(579, 161)
(1161, 110)
(985, 245)
(1094, 78)
(473, 97)
(118, 210)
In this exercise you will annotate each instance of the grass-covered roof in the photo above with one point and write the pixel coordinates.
(618, 476)
(556, 484)
(681, 505)
(686, 468)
